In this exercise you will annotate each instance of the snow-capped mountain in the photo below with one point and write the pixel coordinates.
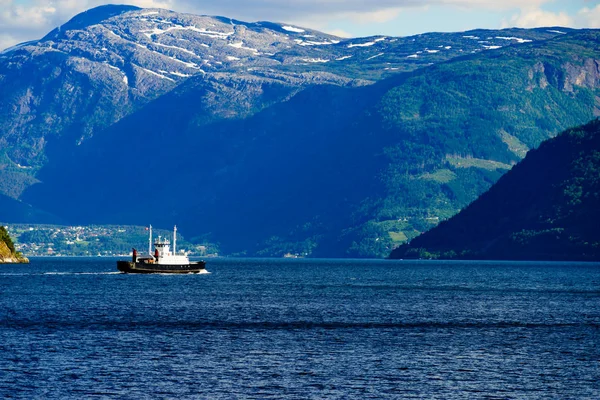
(271, 126)
(108, 61)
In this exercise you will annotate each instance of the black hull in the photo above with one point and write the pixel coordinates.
(129, 267)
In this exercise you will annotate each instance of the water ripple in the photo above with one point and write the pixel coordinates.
(76, 328)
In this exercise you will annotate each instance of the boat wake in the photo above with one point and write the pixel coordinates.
(58, 273)
(81, 273)
(203, 272)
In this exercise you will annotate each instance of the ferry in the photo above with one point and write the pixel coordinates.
(162, 261)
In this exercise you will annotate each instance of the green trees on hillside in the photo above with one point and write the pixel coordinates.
(457, 127)
(547, 207)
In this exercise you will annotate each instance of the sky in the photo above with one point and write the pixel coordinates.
(23, 20)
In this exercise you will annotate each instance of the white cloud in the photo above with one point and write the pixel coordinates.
(274, 9)
(327, 22)
(493, 5)
(588, 17)
(17, 15)
(32, 20)
(7, 41)
(339, 33)
(536, 17)
(379, 16)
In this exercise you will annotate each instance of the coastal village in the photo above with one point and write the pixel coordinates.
(91, 241)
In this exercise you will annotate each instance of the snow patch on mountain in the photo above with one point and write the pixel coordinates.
(240, 45)
(177, 48)
(179, 74)
(157, 74)
(375, 56)
(301, 42)
(214, 34)
(517, 39)
(292, 29)
(367, 44)
(315, 60)
(187, 64)
(150, 32)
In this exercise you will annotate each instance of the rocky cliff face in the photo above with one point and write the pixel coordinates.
(7, 249)
(7, 257)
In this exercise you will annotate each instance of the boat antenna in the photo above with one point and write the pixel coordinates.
(150, 241)
(175, 240)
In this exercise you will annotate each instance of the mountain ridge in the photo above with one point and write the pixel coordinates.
(89, 17)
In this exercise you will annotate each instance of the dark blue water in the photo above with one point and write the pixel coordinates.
(72, 328)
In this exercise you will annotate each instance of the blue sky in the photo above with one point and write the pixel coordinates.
(22, 20)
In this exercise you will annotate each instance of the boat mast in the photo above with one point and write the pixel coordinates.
(150, 242)
(175, 240)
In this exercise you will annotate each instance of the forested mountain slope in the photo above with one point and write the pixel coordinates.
(546, 208)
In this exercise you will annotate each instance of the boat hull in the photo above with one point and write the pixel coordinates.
(130, 267)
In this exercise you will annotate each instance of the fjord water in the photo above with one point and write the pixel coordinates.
(74, 328)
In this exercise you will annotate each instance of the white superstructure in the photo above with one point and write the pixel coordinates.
(162, 251)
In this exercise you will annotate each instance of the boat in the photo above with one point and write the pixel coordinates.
(162, 260)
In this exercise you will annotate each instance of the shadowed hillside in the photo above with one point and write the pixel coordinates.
(546, 208)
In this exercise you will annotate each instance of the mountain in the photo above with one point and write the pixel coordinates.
(286, 140)
(332, 170)
(546, 208)
(110, 61)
